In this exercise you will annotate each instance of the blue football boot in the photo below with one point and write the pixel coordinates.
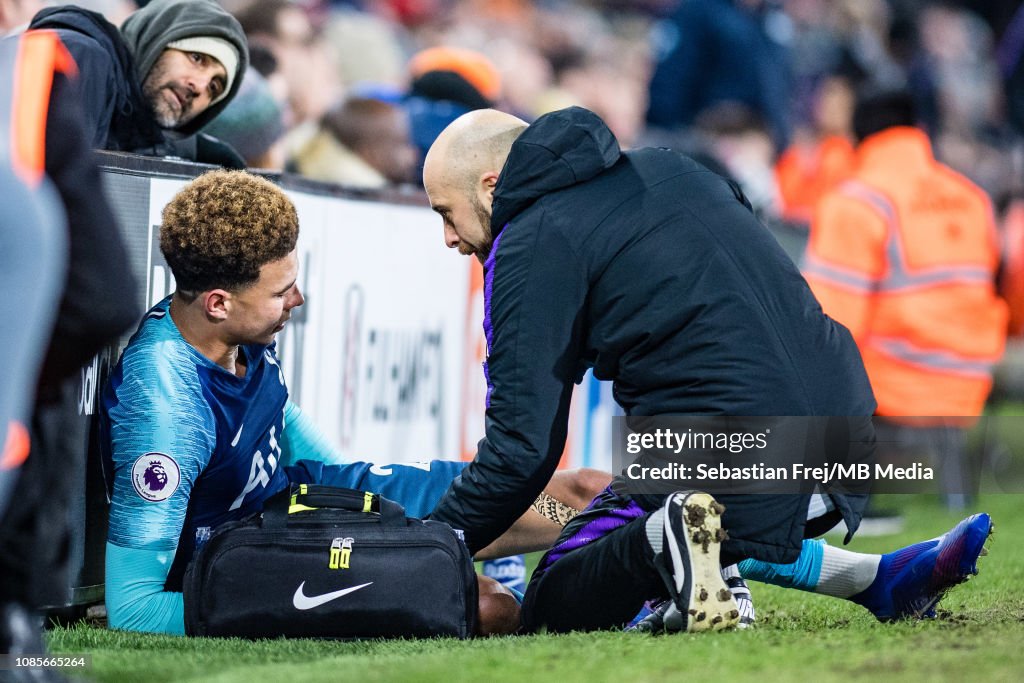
(912, 580)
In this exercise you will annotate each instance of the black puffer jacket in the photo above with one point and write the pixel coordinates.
(653, 271)
(117, 116)
(113, 65)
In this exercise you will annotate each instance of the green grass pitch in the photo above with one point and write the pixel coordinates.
(979, 636)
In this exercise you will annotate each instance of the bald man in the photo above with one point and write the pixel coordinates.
(653, 271)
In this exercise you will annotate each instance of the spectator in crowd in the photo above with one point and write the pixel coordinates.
(115, 11)
(445, 83)
(253, 124)
(152, 86)
(363, 143)
(969, 131)
(821, 154)
(904, 254)
(265, 63)
(527, 78)
(365, 47)
(1011, 68)
(37, 74)
(721, 50)
(304, 63)
(739, 139)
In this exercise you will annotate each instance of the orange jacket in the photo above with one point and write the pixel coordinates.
(25, 97)
(806, 172)
(904, 254)
(1011, 286)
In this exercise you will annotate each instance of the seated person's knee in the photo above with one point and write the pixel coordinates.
(499, 610)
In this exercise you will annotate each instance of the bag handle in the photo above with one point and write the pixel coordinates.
(307, 497)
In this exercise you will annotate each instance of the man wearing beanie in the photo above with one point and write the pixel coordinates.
(151, 86)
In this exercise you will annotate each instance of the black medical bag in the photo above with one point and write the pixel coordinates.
(325, 562)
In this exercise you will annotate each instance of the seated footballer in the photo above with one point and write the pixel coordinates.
(197, 427)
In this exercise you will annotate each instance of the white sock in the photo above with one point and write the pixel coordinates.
(844, 573)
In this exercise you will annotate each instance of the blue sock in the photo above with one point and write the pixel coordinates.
(802, 574)
(889, 567)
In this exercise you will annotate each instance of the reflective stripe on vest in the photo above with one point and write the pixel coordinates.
(932, 359)
(901, 279)
(838, 276)
(31, 59)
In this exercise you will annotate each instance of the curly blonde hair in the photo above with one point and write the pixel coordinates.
(221, 228)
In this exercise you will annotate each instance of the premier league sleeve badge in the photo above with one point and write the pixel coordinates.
(155, 477)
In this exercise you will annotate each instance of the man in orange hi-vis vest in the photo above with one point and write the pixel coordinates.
(904, 254)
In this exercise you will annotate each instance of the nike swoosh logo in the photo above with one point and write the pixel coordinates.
(304, 602)
(234, 441)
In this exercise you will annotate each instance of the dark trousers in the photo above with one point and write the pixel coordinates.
(601, 570)
(35, 533)
(601, 585)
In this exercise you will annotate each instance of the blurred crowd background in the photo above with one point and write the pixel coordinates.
(740, 81)
(354, 91)
(748, 83)
(762, 90)
(654, 67)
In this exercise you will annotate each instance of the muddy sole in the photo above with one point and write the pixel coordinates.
(710, 605)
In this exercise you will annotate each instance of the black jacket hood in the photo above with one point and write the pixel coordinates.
(134, 126)
(148, 31)
(560, 149)
(92, 24)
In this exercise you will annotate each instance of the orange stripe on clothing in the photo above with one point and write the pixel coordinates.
(39, 54)
(16, 446)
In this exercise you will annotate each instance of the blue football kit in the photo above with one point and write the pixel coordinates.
(188, 445)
